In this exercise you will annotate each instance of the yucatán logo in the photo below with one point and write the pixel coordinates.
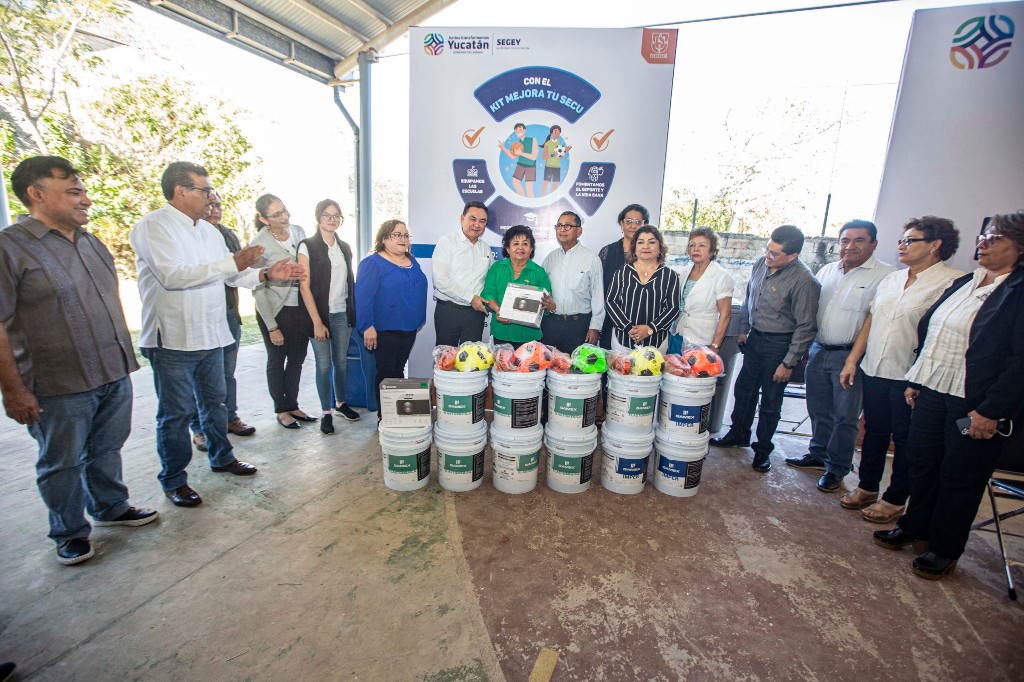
(981, 42)
(433, 44)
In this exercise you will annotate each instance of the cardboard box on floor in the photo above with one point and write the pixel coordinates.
(405, 403)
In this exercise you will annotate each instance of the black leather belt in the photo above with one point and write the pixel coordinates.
(760, 333)
(441, 301)
(825, 346)
(571, 318)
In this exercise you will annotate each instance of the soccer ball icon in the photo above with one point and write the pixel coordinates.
(560, 150)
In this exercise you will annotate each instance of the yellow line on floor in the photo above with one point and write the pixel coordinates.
(544, 668)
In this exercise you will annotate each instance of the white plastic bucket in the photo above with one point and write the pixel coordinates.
(572, 400)
(460, 397)
(632, 401)
(517, 398)
(679, 462)
(406, 455)
(625, 458)
(516, 459)
(460, 456)
(685, 404)
(570, 458)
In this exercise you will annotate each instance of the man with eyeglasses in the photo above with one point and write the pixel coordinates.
(459, 266)
(66, 355)
(235, 424)
(182, 263)
(777, 324)
(847, 289)
(577, 287)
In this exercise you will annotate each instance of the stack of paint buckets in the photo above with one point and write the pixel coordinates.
(681, 443)
(571, 434)
(627, 436)
(460, 433)
(516, 432)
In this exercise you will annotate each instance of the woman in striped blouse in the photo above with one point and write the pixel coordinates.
(643, 299)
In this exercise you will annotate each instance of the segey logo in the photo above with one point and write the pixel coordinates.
(981, 42)
(659, 43)
(433, 44)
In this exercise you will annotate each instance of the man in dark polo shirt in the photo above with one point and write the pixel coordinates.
(778, 321)
(66, 355)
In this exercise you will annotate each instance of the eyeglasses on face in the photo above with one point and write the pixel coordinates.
(332, 217)
(565, 226)
(400, 236)
(773, 254)
(909, 241)
(989, 240)
(205, 190)
(633, 221)
(283, 213)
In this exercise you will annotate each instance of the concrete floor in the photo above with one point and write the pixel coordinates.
(313, 570)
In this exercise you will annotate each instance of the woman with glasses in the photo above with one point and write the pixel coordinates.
(965, 392)
(705, 303)
(283, 323)
(517, 245)
(328, 294)
(615, 255)
(391, 301)
(886, 343)
(643, 299)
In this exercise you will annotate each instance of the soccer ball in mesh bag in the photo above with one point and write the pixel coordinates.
(589, 360)
(474, 357)
(647, 361)
(532, 357)
(704, 362)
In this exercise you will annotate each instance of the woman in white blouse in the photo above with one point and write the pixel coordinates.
(284, 324)
(887, 342)
(965, 390)
(706, 295)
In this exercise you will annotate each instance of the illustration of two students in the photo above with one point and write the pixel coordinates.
(523, 150)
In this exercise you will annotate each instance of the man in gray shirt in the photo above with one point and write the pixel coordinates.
(778, 321)
(66, 355)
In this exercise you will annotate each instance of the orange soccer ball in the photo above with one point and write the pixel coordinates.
(704, 362)
(532, 357)
(446, 358)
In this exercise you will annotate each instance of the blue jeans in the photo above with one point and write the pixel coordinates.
(79, 468)
(332, 353)
(762, 355)
(181, 378)
(886, 415)
(834, 410)
(230, 385)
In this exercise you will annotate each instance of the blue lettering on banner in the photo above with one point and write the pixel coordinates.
(472, 179)
(537, 87)
(593, 182)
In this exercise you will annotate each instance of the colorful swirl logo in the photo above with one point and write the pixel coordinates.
(433, 44)
(981, 42)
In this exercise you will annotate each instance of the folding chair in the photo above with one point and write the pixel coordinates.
(1011, 462)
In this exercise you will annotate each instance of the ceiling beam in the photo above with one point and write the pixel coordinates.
(372, 11)
(330, 19)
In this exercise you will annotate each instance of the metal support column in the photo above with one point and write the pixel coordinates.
(361, 247)
(365, 189)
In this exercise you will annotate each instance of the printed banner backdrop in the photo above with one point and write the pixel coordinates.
(608, 91)
(957, 139)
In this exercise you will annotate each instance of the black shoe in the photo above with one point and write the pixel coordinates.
(894, 538)
(184, 497)
(829, 483)
(74, 551)
(293, 425)
(762, 462)
(806, 462)
(238, 468)
(133, 517)
(931, 566)
(302, 416)
(729, 441)
(347, 412)
(6, 670)
(327, 424)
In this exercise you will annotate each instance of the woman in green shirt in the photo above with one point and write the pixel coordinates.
(516, 266)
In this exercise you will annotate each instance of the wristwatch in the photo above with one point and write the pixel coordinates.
(788, 366)
(714, 346)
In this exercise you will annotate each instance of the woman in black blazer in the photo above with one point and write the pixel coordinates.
(615, 255)
(965, 391)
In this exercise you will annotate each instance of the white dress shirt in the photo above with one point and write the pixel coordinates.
(577, 283)
(699, 317)
(846, 298)
(895, 312)
(459, 268)
(941, 364)
(182, 268)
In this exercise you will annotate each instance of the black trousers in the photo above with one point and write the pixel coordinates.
(455, 324)
(284, 362)
(565, 332)
(393, 350)
(948, 472)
